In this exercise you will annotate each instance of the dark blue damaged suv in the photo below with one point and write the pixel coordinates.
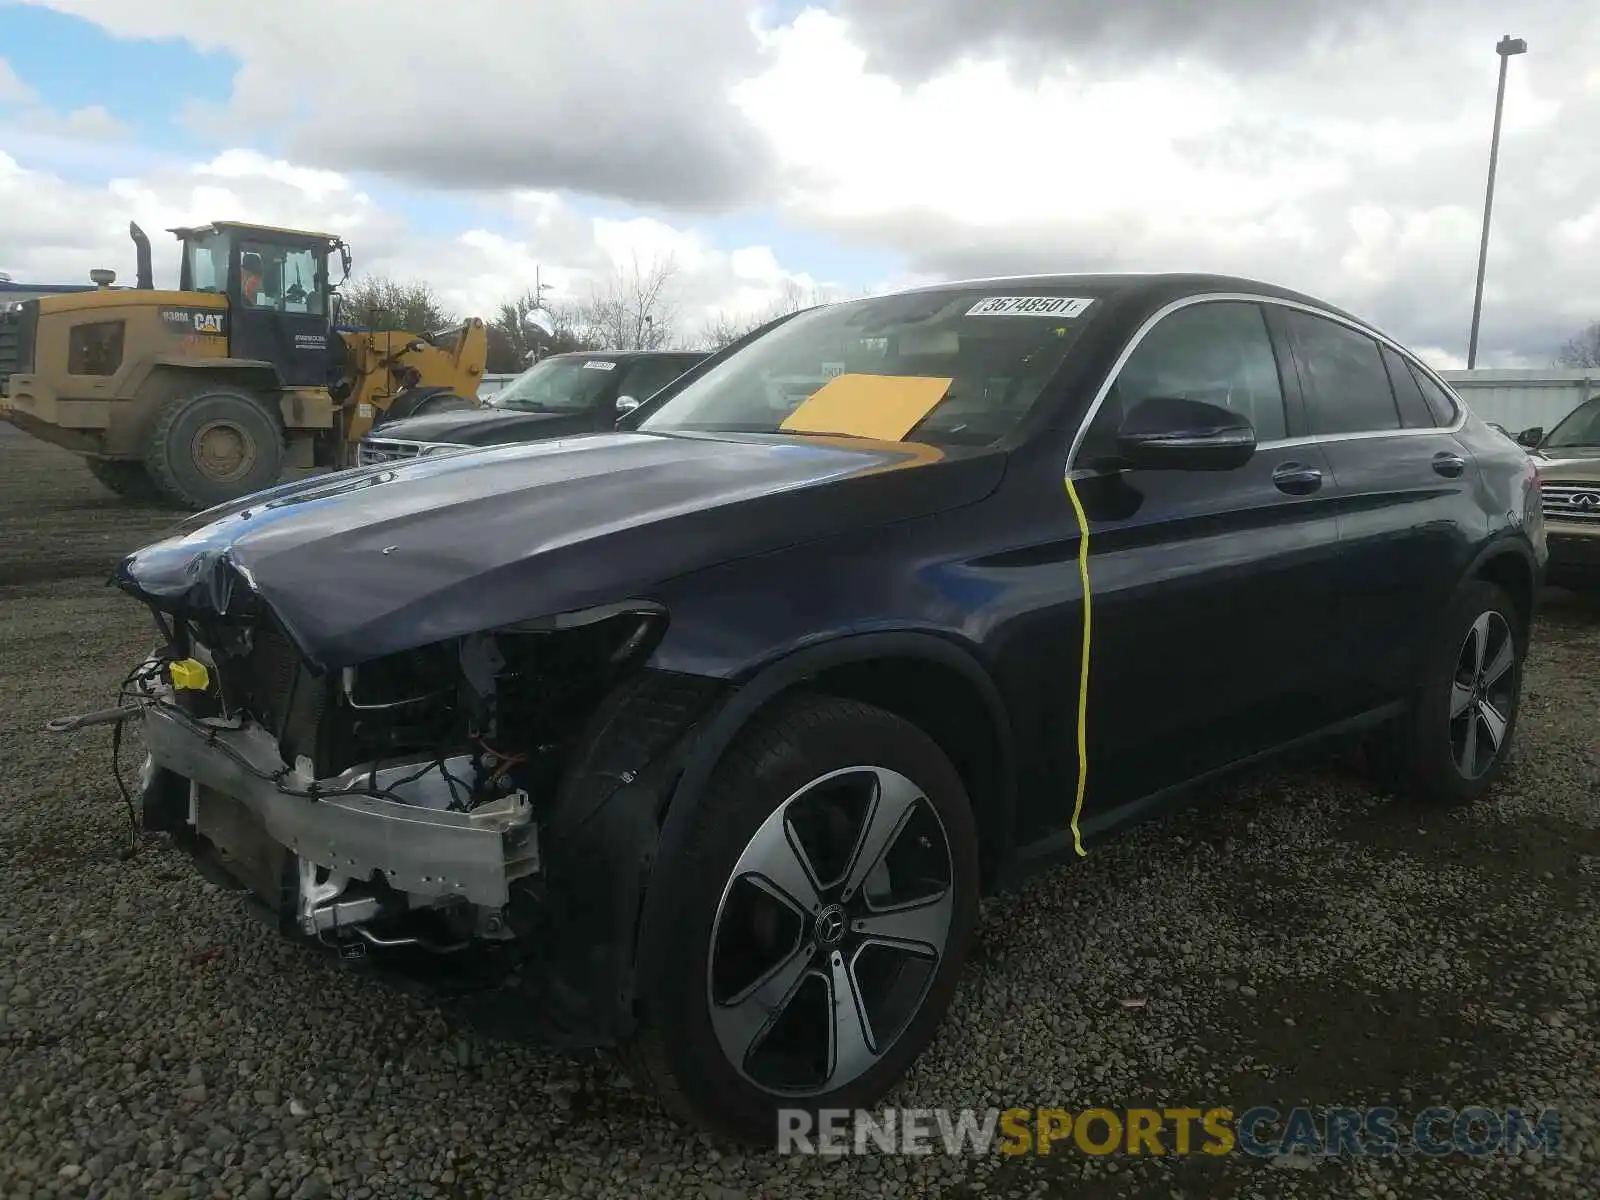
(719, 724)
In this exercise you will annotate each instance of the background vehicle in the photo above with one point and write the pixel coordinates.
(1568, 459)
(556, 397)
(207, 393)
(730, 715)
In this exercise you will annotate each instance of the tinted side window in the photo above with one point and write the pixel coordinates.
(1414, 410)
(1219, 352)
(1443, 408)
(644, 379)
(1349, 390)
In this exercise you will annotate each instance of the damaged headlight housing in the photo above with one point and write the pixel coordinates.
(521, 691)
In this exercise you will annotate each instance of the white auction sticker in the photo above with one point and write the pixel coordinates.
(595, 364)
(1029, 306)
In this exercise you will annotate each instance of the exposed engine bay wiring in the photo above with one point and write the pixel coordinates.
(503, 762)
(127, 689)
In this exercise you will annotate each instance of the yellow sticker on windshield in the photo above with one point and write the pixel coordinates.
(885, 407)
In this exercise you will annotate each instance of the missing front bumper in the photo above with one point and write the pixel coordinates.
(430, 855)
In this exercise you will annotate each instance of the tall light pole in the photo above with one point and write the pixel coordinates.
(1506, 47)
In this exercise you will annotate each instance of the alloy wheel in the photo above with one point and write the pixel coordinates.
(830, 931)
(1483, 695)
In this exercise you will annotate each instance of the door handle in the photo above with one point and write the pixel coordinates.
(1297, 479)
(1449, 465)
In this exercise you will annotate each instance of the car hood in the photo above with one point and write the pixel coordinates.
(385, 558)
(484, 426)
(1583, 464)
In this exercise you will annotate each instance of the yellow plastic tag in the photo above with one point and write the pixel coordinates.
(885, 407)
(190, 675)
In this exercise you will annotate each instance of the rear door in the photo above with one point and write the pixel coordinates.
(1407, 517)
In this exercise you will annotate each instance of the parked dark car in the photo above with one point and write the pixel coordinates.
(558, 396)
(720, 723)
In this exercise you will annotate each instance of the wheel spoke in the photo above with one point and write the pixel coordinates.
(1469, 746)
(740, 1024)
(1494, 724)
(1500, 663)
(892, 802)
(773, 856)
(1480, 642)
(851, 1041)
(922, 923)
(1460, 699)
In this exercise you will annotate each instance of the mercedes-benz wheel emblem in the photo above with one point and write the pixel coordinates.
(830, 925)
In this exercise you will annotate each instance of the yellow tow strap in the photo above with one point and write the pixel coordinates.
(1083, 669)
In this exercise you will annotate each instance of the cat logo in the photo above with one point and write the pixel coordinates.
(203, 322)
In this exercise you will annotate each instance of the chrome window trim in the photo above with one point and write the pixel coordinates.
(1167, 310)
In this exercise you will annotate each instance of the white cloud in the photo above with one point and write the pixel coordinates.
(91, 124)
(1349, 167)
(56, 231)
(481, 93)
(27, 115)
(1335, 148)
(12, 89)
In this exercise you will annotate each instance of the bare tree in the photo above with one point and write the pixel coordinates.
(723, 328)
(634, 308)
(1582, 350)
(381, 303)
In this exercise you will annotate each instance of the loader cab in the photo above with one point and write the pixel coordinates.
(279, 291)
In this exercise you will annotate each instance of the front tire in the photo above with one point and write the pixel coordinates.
(1454, 743)
(127, 479)
(214, 446)
(832, 891)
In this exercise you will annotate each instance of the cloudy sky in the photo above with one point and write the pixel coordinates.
(1338, 146)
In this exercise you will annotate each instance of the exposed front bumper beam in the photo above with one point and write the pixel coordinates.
(431, 852)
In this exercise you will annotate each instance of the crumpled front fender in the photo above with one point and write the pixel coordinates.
(600, 841)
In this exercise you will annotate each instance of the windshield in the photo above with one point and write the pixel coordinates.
(945, 367)
(208, 262)
(1581, 427)
(556, 385)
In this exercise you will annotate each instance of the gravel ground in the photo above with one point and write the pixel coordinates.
(1297, 940)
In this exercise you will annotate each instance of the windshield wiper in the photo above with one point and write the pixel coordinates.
(523, 406)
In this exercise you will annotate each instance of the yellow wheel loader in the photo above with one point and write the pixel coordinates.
(207, 393)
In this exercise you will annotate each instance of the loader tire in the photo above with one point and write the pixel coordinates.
(213, 446)
(127, 479)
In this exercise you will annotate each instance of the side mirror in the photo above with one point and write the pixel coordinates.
(1167, 433)
(1531, 437)
(626, 404)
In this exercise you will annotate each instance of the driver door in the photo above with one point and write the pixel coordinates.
(278, 296)
(1214, 592)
